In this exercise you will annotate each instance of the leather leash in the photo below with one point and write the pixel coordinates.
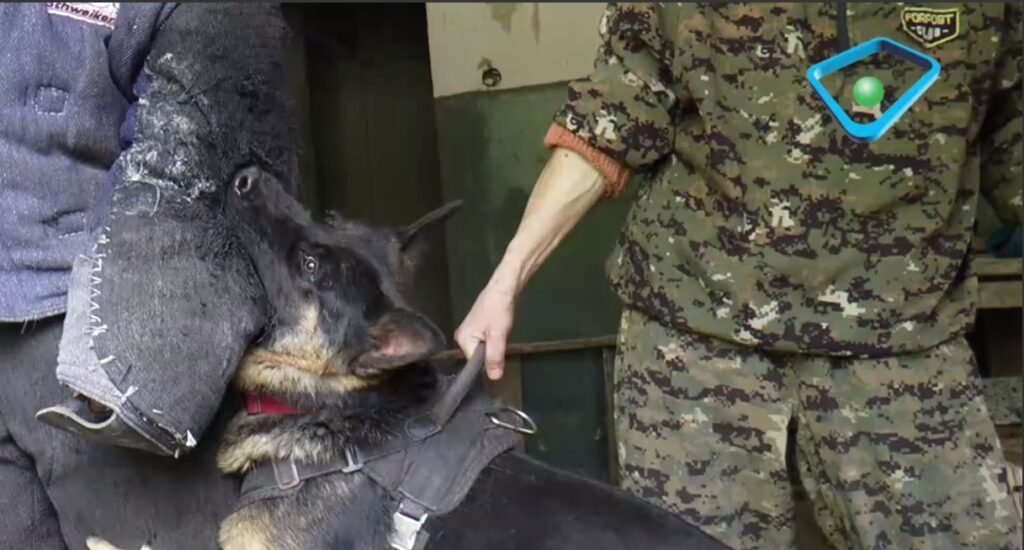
(457, 391)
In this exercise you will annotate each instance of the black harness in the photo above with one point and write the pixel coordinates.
(427, 468)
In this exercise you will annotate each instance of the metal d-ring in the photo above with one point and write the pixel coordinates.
(528, 427)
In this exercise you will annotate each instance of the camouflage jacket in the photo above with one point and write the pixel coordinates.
(760, 221)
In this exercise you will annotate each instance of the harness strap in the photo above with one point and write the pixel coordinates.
(426, 469)
(451, 398)
(281, 476)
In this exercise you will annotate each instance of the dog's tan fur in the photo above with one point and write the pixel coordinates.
(304, 345)
(253, 528)
(299, 363)
(240, 457)
(246, 531)
(266, 369)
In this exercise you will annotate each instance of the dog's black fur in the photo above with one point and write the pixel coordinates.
(346, 345)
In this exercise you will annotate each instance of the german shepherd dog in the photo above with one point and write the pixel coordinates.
(346, 347)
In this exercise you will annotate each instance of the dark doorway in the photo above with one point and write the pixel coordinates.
(369, 121)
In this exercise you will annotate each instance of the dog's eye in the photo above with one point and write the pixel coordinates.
(309, 264)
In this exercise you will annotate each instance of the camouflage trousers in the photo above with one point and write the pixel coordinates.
(895, 452)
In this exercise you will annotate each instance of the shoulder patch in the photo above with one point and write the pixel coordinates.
(931, 26)
(98, 13)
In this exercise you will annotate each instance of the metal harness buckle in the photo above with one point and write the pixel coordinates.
(405, 529)
(286, 478)
(354, 459)
(528, 427)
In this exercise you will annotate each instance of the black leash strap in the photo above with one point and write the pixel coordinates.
(457, 391)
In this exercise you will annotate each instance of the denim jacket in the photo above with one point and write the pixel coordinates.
(68, 74)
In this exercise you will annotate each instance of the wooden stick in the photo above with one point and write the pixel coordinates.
(533, 348)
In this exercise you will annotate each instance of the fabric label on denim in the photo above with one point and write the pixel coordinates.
(100, 13)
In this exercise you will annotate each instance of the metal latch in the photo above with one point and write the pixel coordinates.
(406, 525)
(526, 426)
(353, 459)
(286, 474)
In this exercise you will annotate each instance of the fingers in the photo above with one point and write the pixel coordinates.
(467, 339)
(489, 321)
(494, 360)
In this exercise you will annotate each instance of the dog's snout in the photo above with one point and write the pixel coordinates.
(245, 180)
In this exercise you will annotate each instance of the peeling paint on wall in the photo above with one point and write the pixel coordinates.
(502, 13)
(512, 37)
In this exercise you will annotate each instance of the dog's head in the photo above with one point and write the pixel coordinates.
(337, 292)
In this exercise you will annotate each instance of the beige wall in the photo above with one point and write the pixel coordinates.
(529, 43)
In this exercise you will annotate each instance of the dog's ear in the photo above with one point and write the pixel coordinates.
(415, 238)
(341, 224)
(399, 337)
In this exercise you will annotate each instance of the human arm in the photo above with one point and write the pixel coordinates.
(617, 120)
(566, 189)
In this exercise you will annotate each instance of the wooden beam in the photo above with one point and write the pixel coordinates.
(608, 364)
(988, 266)
(1000, 294)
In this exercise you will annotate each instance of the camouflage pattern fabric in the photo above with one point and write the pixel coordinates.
(760, 222)
(894, 452)
(1005, 398)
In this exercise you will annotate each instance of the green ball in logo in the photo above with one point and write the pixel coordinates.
(868, 91)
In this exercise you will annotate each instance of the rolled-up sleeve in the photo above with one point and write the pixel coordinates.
(624, 108)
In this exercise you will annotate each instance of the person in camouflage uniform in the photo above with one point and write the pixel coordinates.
(775, 271)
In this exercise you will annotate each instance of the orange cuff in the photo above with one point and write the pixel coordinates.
(614, 173)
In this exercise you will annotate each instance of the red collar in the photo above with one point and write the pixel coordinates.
(264, 404)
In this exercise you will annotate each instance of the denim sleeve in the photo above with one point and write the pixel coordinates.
(131, 40)
(162, 308)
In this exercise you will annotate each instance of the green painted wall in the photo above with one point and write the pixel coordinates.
(491, 151)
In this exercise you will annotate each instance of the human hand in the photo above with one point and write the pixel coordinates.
(489, 321)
